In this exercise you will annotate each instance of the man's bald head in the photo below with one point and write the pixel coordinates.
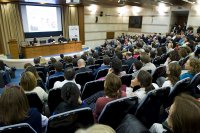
(81, 63)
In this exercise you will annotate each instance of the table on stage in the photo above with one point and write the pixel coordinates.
(50, 49)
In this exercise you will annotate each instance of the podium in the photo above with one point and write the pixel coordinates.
(14, 49)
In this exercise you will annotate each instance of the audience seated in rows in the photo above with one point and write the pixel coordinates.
(183, 117)
(69, 75)
(112, 89)
(14, 109)
(71, 98)
(28, 82)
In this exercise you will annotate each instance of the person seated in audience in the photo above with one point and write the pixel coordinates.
(36, 61)
(68, 59)
(112, 89)
(136, 68)
(173, 56)
(116, 67)
(170, 47)
(182, 52)
(6, 72)
(129, 60)
(69, 75)
(61, 58)
(183, 116)
(14, 109)
(97, 128)
(61, 39)
(28, 82)
(27, 65)
(173, 71)
(52, 61)
(84, 57)
(147, 65)
(81, 66)
(71, 98)
(193, 67)
(106, 64)
(51, 40)
(144, 80)
(58, 66)
(40, 83)
(90, 61)
(43, 61)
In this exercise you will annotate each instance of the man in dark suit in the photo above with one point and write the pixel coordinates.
(50, 40)
(61, 39)
(129, 59)
(81, 66)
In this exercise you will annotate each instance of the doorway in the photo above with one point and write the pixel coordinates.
(179, 18)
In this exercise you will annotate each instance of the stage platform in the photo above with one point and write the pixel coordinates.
(19, 63)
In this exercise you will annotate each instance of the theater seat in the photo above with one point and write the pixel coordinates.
(54, 98)
(159, 72)
(53, 80)
(101, 73)
(115, 111)
(126, 79)
(83, 77)
(91, 88)
(34, 101)
(192, 87)
(150, 110)
(131, 124)
(69, 122)
(17, 128)
(179, 87)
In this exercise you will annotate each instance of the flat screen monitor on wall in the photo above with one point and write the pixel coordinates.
(135, 22)
(41, 21)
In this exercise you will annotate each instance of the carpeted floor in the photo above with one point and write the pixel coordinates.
(16, 80)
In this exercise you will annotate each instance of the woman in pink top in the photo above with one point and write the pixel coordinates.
(112, 89)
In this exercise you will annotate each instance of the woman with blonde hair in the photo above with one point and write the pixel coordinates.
(29, 84)
(97, 128)
(39, 80)
(193, 67)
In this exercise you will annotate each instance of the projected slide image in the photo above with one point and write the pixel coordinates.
(41, 18)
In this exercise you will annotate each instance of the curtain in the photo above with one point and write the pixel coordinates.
(70, 17)
(10, 25)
